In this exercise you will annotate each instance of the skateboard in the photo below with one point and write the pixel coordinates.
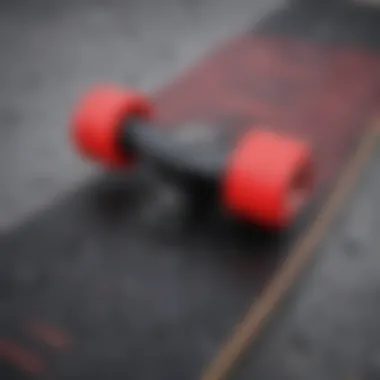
(146, 270)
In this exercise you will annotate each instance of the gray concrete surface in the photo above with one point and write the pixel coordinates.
(53, 50)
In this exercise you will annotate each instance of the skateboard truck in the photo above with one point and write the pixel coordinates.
(261, 176)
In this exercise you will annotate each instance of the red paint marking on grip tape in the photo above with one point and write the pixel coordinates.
(50, 335)
(21, 357)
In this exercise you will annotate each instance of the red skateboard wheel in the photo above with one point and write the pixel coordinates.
(98, 119)
(268, 178)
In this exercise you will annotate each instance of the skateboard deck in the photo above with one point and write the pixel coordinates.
(127, 277)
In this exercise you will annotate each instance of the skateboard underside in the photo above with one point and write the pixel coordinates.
(130, 277)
